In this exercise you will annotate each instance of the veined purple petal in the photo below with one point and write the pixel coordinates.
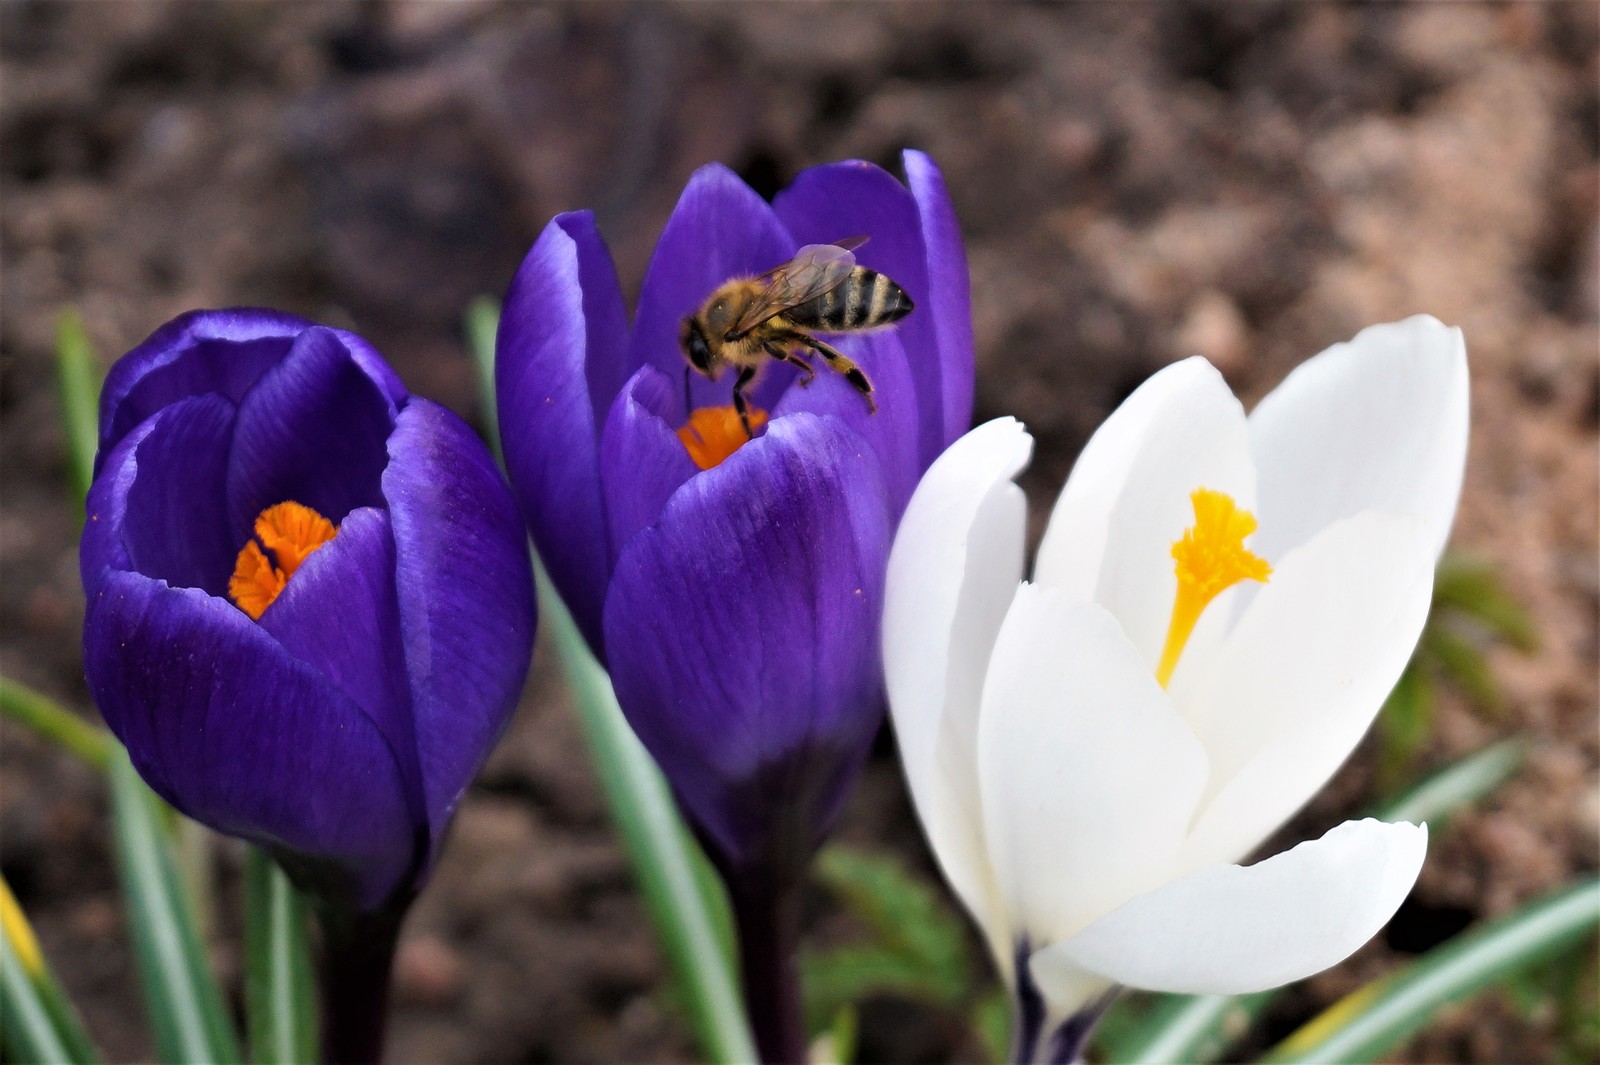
(559, 358)
(172, 519)
(234, 732)
(224, 352)
(465, 593)
(892, 431)
(642, 461)
(311, 431)
(719, 230)
(339, 615)
(742, 633)
(949, 290)
(828, 203)
(949, 306)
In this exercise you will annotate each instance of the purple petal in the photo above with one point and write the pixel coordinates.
(171, 518)
(466, 597)
(237, 734)
(339, 615)
(892, 431)
(211, 351)
(719, 230)
(311, 431)
(559, 359)
(742, 631)
(950, 301)
(827, 203)
(642, 461)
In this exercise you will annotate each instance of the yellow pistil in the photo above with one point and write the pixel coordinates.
(291, 532)
(19, 933)
(713, 433)
(1211, 558)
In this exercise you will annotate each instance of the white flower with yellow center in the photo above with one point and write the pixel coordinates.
(1091, 752)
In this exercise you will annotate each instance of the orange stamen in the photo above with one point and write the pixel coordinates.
(713, 433)
(291, 532)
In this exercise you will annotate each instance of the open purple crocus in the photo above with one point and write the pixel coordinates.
(733, 586)
(310, 606)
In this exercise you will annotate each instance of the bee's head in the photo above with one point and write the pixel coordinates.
(693, 341)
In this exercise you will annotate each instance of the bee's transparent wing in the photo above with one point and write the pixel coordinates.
(815, 269)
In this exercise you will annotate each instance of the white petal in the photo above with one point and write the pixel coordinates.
(1070, 554)
(955, 565)
(1089, 778)
(1231, 930)
(1378, 423)
(1298, 680)
(1199, 441)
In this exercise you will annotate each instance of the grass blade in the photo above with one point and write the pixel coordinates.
(186, 1007)
(1369, 1023)
(280, 1008)
(78, 377)
(670, 868)
(37, 1022)
(1191, 1028)
(55, 722)
(482, 323)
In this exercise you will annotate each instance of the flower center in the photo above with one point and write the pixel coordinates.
(713, 433)
(1211, 558)
(291, 532)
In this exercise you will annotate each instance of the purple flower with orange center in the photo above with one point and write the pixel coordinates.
(310, 606)
(732, 581)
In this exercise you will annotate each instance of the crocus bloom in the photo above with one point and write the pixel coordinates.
(733, 586)
(309, 602)
(1089, 753)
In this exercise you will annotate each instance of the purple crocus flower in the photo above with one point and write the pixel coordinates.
(310, 605)
(733, 586)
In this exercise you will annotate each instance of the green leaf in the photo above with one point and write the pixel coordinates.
(1404, 721)
(37, 1021)
(78, 378)
(186, 1007)
(918, 946)
(1472, 588)
(1462, 663)
(1372, 1021)
(280, 1005)
(482, 323)
(692, 922)
(55, 722)
(991, 1022)
(1455, 787)
(1189, 1028)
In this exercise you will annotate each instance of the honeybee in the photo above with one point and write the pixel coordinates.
(750, 321)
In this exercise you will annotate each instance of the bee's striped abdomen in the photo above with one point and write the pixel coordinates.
(865, 299)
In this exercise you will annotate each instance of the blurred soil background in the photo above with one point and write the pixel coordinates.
(1137, 182)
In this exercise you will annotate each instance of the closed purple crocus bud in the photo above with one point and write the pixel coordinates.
(310, 611)
(733, 582)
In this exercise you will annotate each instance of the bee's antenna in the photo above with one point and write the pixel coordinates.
(688, 404)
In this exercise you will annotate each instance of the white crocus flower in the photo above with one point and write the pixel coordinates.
(1091, 752)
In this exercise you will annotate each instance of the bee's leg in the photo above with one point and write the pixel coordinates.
(841, 363)
(785, 354)
(740, 404)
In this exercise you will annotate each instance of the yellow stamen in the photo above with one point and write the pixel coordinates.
(713, 433)
(291, 532)
(19, 933)
(1211, 558)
